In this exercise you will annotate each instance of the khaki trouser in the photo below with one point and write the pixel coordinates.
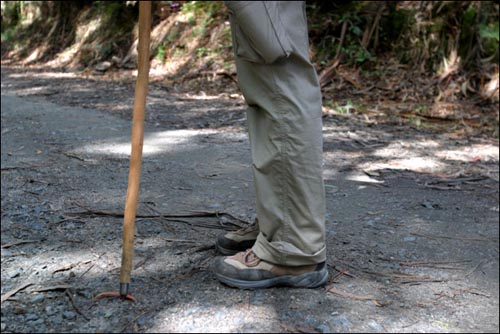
(281, 88)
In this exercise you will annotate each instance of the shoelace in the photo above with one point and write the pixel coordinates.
(248, 228)
(250, 259)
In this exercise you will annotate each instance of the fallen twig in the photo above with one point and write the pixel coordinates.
(14, 291)
(396, 275)
(68, 293)
(170, 217)
(423, 264)
(86, 271)
(436, 265)
(300, 329)
(74, 156)
(447, 237)
(412, 278)
(454, 187)
(411, 324)
(134, 320)
(143, 261)
(180, 240)
(458, 180)
(70, 266)
(418, 281)
(353, 296)
(456, 292)
(231, 76)
(341, 272)
(202, 248)
(12, 168)
(70, 219)
(473, 269)
(20, 242)
(52, 288)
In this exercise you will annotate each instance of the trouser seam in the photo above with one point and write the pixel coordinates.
(284, 185)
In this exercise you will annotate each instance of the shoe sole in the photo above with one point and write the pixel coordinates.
(310, 280)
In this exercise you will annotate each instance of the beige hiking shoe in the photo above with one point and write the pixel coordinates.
(231, 243)
(245, 270)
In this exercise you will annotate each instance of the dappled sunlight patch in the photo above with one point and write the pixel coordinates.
(415, 164)
(476, 152)
(196, 318)
(36, 54)
(362, 178)
(156, 143)
(44, 75)
(84, 33)
(404, 148)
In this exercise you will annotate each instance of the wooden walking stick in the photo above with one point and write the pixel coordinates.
(134, 177)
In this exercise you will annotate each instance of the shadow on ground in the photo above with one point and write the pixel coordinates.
(412, 225)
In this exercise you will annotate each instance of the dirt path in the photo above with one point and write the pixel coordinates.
(412, 222)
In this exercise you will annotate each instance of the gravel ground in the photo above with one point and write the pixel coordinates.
(412, 219)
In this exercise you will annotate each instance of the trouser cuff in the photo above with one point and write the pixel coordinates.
(285, 254)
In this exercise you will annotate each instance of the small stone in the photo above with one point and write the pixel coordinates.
(56, 320)
(31, 317)
(141, 322)
(104, 66)
(3, 326)
(220, 315)
(427, 205)
(15, 274)
(375, 326)
(38, 322)
(37, 299)
(19, 310)
(49, 310)
(69, 315)
(340, 321)
(371, 222)
(6, 253)
(85, 293)
(311, 320)
(323, 329)
(409, 239)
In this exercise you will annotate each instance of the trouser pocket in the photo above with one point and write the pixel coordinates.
(259, 35)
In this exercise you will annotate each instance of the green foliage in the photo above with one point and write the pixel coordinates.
(116, 14)
(201, 28)
(490, 31)
(345, 109)
(205, 11)
(105, 50)
(179, 52)
(201, 52)
(11, 14)
(8, 35)
(353, 51)
(117, 21)
(202, 8)
(161, 52)
(489, 39)
(420, 34)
